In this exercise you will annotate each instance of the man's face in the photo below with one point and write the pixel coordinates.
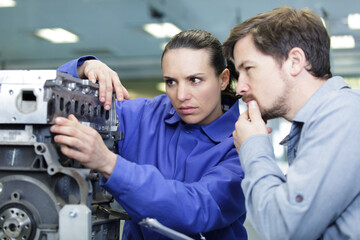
(261, 78)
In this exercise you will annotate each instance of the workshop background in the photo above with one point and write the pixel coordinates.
(118, 33)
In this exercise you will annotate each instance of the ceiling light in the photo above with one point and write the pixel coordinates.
(161, 87)
(7, 3)
(57, 35)
(161, 30)
(354, 21)
(353, 82)
(163, 45)
(342, 42)
(323, 21)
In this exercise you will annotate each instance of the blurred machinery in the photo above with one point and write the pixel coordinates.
(43, 194)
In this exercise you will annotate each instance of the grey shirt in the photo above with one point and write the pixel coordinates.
(320, 195)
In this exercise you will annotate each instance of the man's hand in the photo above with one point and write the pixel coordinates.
(108, 80)
(83, 144)
(249, 123)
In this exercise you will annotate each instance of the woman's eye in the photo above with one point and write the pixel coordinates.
(169, 82)
(195, 80)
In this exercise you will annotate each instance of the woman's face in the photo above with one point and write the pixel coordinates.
(192, 85)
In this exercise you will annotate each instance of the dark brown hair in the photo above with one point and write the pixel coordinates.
(276, 32)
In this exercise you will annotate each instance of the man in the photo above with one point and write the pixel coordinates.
(282, 58)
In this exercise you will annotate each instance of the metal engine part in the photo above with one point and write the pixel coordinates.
(43, 194)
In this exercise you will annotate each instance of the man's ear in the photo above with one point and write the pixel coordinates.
(296, 61)
(224, 78)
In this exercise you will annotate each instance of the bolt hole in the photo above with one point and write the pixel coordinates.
(16, 195)
(12, 227)
(40, 148)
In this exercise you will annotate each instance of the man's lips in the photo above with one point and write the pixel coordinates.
(187, 110)
(246, 100)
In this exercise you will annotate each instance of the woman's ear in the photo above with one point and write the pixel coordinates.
(296, 61)
(224, 79)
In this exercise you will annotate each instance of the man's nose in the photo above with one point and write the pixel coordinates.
(242, 86)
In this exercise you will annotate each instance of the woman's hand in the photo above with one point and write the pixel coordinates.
(109, 81)
(83, 144)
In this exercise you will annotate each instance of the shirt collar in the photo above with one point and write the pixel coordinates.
(218, 130)
(305, 113)
(173, 117)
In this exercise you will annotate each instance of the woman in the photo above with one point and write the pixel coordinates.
(177, 162)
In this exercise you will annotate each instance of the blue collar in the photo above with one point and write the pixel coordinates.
(218, 130)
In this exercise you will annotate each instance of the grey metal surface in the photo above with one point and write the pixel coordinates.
(39, 187)
(38, 96)
(156, 226)
(75, 215)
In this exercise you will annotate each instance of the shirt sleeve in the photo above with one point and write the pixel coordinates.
(71, 66)
(213, 202)
(320, 184)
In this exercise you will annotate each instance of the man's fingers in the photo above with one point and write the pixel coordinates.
(254, 111)
(243, 116)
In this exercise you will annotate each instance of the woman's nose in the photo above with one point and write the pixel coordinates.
(183, 92)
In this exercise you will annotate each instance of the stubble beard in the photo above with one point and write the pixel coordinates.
(279, 109)
(280, 106)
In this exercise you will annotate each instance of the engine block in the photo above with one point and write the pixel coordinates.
(44, 194)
